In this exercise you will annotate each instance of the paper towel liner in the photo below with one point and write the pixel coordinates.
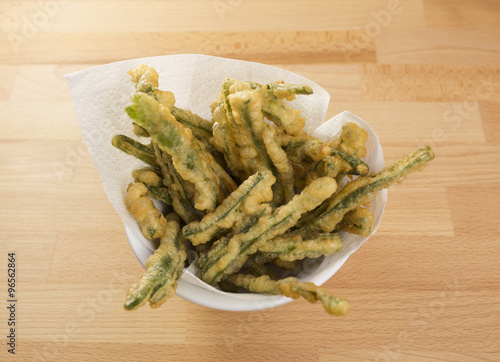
(100, 95)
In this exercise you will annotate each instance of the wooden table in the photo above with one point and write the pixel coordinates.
(425, 287)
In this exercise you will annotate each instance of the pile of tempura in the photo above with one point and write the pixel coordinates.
(252, 197)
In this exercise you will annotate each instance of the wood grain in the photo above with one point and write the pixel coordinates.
(425, 287)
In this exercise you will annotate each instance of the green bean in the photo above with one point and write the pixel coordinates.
(154, 183)
(240, 246)
(243, 109)
(150, 219)
(362, 190)
(200, 127)
(227, 184)
(218, 157)
(145, 80)
(288, 265)
(358, 221)
(284, 90)
(306, 148)
(352, 140)
(280, 161)
(189, 160)
(328, 166)
(286, 118)
(292, 288)
(312, 215)
(163, 270)
(256, 266)
(228, 287)
(224, 140)
(349, 164)
(136, 149)
(293, 247)
(245, 200)
(179, 190)
(139, 131)
(217, 250)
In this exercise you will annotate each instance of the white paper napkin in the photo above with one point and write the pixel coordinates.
(100, 95)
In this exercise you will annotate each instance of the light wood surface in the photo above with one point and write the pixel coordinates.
(425, 287)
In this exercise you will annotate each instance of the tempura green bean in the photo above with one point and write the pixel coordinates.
(292, 288)
(150, 219)
(238, 247)
(245, 200)
(154, 183)
(293, 247)
(358, 221)
(362, 190)
(180, 191)
(280, 161)
(200, 127)
(189, 160)
(136, 149)
(163, 269)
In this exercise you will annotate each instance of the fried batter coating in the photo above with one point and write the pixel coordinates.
(237, 248)
(200, 127)
(150, 178)
(280, 161)
(362, 190)
(327, 166)
(244, 201)
(285, 117)
(288, 91)
(136, 149)
(358, 221)
(352, 140)
(139, 131)
(218, 248)
(145, 80)
(292, 288)
(238, 132)
(238, 116)
(227, 184)
(293, 247)
(163, 269)
(306, 148)
(224, 140)
(288, 265)
(303, 146)
(256, 266)
(243, 106)
(180, 191)
(150, 219)
(202, 130)
(349, 164)
(189, 160)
